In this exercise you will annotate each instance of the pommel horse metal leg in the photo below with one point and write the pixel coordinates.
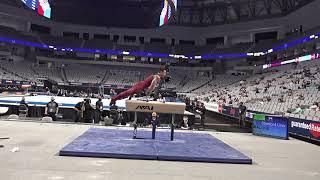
(154, 126)
(135, 126)
(172, 126)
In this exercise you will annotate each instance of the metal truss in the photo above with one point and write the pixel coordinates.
(210, 12)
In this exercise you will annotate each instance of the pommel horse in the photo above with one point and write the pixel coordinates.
(172, 108)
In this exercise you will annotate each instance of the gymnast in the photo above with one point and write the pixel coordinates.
(148, 85)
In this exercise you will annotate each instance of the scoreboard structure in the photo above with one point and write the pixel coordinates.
(42, 7)
(30, 4)
(168, 11)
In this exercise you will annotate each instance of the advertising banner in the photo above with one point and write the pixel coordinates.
(212, 107)
(305, 128)
(230, 111)
(116, 86)
(14, 82)
(271, 126)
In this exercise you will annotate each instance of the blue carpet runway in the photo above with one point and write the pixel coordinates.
(115, 143)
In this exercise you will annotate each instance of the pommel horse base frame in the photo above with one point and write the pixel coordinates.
(154, 106)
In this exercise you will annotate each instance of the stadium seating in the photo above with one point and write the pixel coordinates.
(122, 77)
(53, 74)
(157, 48)
(61, 41)
(98, 44)
(285, 89)
(76, 73)
(282, 89)
(134, 48)
(13, 71)
(12, 33)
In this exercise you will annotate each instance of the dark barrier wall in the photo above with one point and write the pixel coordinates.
(305, 128)
(300, 127)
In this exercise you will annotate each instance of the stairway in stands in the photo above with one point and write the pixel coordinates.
(64, 75)
(201, 85)
(105, 77)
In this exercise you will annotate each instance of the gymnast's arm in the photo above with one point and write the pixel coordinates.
(153, 85)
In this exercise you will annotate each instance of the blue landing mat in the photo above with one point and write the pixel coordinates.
(115, 143)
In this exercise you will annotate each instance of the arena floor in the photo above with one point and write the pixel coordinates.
(39, 143)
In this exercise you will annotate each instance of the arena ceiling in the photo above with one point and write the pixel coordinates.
(145, 13)
(110, 13)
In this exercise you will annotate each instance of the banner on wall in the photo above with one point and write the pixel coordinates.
(213, 107)
(230, 111)
(116, 86)
(271, 126)
(305, 128)
(15, 82)
(226, 110)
